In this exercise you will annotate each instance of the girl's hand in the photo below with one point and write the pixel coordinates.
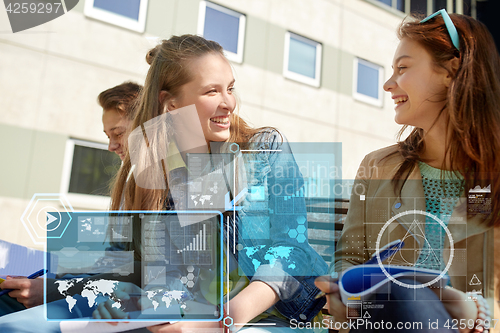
(107, 310)
(180, 326)
(335, 306)
(250, 302)
(458, 305)
(28, 292)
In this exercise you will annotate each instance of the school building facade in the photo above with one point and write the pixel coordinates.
(314, 69)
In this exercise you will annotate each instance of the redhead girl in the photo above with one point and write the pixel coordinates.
(438, 189)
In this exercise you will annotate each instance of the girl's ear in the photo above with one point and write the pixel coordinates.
(167, 100)
(452, 67)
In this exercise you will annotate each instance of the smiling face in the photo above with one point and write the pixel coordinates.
(417, 87)
(115, 127)
(211, 91)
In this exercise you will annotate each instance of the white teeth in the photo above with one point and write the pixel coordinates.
(400, 100)
(224, 120)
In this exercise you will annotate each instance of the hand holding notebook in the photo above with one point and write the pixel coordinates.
(360, 282)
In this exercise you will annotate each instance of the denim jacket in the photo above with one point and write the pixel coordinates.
(272, 228)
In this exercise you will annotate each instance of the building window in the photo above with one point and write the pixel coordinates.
(368, 82)
(87, 172)
(225, 26)
(302, 59)
(396, 4)
(419, 7)
(427, 7)
(129, 14)
(440, 4)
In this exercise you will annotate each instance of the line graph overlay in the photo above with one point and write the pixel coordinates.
(155, 275)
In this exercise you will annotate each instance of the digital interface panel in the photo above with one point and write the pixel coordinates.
(271, 211)
(175, 275)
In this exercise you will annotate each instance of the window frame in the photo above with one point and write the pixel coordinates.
(450, 7)
(118, 20)
(296, 76)
(235, 57)
(78, 199)
(379, 102)
(391, 8)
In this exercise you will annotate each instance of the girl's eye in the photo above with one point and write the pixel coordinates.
(400, 68)
(231, 89)
(211, 91)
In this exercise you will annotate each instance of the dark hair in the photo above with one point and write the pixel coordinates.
(472, 109)
(121, 98)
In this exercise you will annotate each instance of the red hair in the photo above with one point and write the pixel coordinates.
(472, 110)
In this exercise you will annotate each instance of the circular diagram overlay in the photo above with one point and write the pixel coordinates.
(450, 260)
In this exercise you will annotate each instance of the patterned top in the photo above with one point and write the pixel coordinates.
(442, 190)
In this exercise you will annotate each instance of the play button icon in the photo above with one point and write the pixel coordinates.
(51, 218)
(48, 218)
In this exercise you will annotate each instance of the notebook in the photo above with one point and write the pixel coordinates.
(18, 260)
(360, 282)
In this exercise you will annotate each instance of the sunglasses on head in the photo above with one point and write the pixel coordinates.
(452, 30)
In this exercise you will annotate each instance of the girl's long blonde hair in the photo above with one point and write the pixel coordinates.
(169, 70)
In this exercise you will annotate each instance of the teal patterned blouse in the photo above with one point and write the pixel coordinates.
(442, 190)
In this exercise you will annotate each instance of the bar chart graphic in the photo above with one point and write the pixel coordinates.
(196, 242)
(199, 242)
